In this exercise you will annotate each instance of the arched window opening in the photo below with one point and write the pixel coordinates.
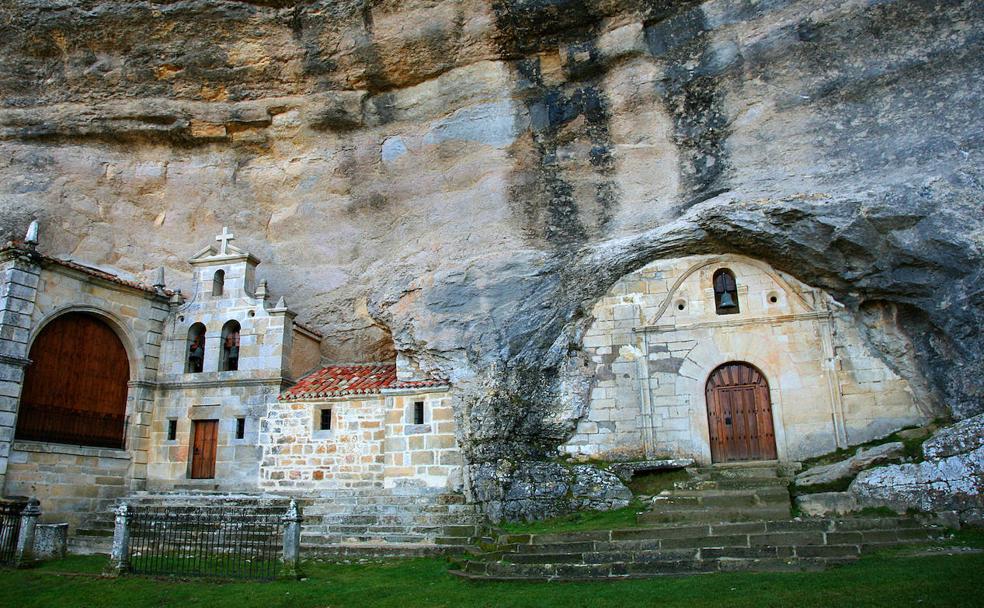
(76, 385)
(229, 361)
(218, 283)
(725, 292)
(196, 349)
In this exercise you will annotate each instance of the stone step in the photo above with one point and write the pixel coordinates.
(673, 555)
(375, 550)
(731, 484)
(713, 515)
(829, 527)
(627, 570)
(89, 545)
(723, 497)
(782, 545)
(95, 532)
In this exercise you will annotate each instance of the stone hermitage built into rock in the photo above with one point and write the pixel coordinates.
(226, 393)
(708, 230)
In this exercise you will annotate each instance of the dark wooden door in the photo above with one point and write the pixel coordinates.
(75, 387)
(205, 438)
(739, 414)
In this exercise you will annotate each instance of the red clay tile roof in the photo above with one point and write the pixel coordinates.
(93, 272)
(338, 380)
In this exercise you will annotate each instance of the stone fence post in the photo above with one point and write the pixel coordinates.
(24, 552)
(119, 558)
(292, 541)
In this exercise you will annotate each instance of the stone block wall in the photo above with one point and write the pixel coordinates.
(138, 318)
(298, 456)
(372, 443)
(237, 459)
(424, 455)
(305, 352)
(72, 482)
(19, 279)
(863, 377)
(656, 338)
(266, 358)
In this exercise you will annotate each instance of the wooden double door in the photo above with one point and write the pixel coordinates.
(204, 442)
(739, 414)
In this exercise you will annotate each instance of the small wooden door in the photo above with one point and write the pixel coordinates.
(739, 414)
(203, 449)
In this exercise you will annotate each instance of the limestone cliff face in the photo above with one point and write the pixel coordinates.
(463, 178)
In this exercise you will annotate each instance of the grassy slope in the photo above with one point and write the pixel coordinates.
(880, 580)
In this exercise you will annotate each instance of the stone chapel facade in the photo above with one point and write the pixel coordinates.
(109, 386)
(722, 358)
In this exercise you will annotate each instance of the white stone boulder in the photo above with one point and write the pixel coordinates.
(950, 480)
(850, 467)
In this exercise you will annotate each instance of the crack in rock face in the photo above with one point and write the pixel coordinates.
(460, 182)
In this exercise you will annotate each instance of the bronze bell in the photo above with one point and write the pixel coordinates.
(727, 301)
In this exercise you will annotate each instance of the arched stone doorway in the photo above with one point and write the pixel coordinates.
(75, 388)
(739, 414)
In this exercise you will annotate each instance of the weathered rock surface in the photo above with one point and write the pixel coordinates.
(951, 479)
(823, 504)
(961, 438)
(849, 467)
(535, 490)
(460, 180)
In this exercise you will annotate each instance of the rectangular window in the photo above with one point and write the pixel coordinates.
(240, 428)
(418, 412)
(325, 420)
(172, 430)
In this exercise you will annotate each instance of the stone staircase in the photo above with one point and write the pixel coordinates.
(369, 523)
(782, 545)
(382, 523)
(724, 493)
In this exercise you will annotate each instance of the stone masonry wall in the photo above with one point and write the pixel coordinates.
(72, 482)
(422, 454)
(372, 444)
(827, 390)
(297, 456)
(237, 459)
(265, 344)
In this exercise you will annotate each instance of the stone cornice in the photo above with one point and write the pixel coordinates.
(804, 316)
(217, 383)
(18, 361)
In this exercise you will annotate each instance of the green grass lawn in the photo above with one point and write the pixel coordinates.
(582, 520)
(886, 579)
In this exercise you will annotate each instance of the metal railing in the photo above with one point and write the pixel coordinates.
(18, 522)
(10, 524)
(208, 541)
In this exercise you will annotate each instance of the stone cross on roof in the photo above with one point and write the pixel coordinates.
(224, 238)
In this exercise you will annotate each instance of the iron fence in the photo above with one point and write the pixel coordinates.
(205, 541)
(10, 525)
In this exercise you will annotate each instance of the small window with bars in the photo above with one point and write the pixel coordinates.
(418, 412)
(240, 428)
(172, 430)
(324, 422)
